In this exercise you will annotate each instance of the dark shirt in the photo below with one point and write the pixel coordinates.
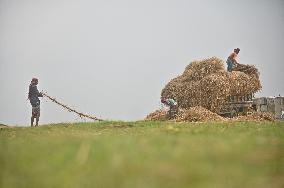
(33, 95)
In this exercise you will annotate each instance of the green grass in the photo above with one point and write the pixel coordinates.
(143, 154)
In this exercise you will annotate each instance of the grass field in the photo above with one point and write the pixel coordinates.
(143, 154)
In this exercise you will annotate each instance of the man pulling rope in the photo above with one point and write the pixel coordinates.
(33, 96)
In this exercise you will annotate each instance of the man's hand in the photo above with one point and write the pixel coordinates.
(236, 63)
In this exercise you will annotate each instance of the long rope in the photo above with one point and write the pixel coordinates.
(70, 109)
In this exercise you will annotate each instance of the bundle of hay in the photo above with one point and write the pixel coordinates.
(206, 83)
(244, 82)
(247, 69)
(157, 115)
(197, 114)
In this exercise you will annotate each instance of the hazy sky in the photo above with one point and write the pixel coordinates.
(111, 58)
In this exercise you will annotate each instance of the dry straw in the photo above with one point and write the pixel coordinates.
(196, 114)
(193, 114)
(256, 116)
(200, 114)
(157, 115)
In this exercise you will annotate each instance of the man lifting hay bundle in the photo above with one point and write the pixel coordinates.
(173, 107)
(231, 61)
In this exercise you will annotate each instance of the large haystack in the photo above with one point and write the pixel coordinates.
(206, 83)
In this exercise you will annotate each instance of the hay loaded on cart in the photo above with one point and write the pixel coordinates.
(207, 84)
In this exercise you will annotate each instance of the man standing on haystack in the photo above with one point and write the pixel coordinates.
(173, 107)
(34, 95)
(231, 61)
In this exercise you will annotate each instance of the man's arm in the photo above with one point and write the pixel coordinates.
(39, 94)
(235, 62)
(29, 94)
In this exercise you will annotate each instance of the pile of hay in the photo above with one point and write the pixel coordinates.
(256, 116)
(157, 115)
(198, 114)
(194, 114)
(206, 83)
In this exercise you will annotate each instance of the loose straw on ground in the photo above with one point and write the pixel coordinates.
(70, 109)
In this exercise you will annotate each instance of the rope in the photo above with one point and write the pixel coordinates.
(70, 109)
